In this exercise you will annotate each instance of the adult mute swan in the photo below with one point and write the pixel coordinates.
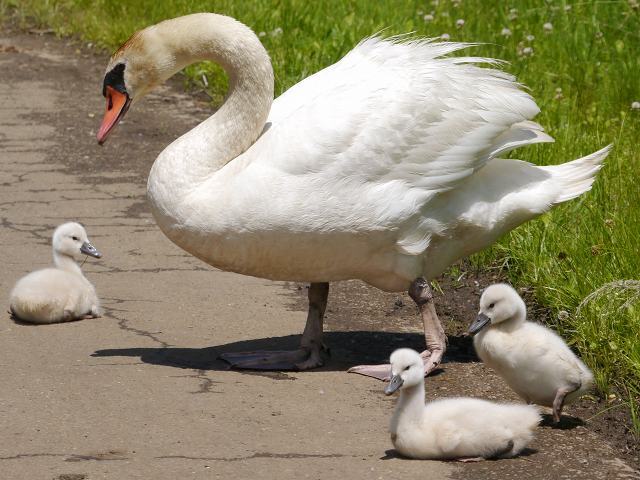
(532, 359)
(451, 428)
(62, 293)
(382, 167)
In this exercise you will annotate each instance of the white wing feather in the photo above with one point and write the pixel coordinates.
(395, 110)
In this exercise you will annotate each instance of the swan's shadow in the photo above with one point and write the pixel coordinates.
(347, 349)
(567, 422)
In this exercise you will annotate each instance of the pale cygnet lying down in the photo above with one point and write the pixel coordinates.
(452, 428)
(61, 293)
(533, 360)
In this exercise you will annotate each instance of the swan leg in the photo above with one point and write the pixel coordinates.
(434, 335)
(436, 340)
(308, 356)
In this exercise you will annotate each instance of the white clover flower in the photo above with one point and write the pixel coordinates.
(262, 34)
(513, 14)
(547, 27)
(460, 23)
(428, 17)
(420, 12)
(505, 32)
(558, 95)
(276, 32)
(530, 38)
(445, 36)
(527, 51)
(456, 3)
(635, 105)
(567, 8)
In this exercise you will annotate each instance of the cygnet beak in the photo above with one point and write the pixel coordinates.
(479, 323)
(89, 249)
(395, 383)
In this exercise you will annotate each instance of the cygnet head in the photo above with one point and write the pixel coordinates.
(498, 303)
(407, 370)
(71, 239)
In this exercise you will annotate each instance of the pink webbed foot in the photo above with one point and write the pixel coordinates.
(310, 353)
(435, 338)
(383, 371)
(300, 359)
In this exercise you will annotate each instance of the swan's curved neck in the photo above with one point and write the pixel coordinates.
(198, 154)
(65, 262)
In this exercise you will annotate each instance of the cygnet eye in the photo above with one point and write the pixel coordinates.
(407, 368)
(75, 238)
(491, 305)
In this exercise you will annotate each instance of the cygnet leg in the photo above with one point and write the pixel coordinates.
(436, 340)
(309, 355)
(558, 401)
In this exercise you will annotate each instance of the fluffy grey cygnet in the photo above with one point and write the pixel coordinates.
(452, 428)
(60, 293)
(535, 362)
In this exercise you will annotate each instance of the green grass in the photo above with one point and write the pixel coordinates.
(584, 73)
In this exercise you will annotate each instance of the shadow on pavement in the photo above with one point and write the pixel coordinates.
(346, 350)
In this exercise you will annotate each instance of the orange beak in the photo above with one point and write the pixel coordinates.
(117, 106)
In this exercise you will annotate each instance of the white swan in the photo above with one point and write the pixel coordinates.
(62, 293)
(382, 167)
(452, 427)
(533, 360)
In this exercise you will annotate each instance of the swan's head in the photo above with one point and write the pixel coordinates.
(407, 370)
(71, 239)
(498, 303)
(134, 69)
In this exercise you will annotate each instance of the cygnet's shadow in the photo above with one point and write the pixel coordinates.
(392, 454)
(24, 323)
(346, 350)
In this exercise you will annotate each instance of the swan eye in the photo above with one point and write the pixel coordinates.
(407, 368)
(491, 305)
(75, 238)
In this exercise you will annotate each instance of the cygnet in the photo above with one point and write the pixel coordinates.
(535, 362)
(452, 428)
(60, 293)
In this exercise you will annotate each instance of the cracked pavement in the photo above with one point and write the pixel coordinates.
(139, 393)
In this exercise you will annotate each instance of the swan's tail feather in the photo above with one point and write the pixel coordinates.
(576, 177)
(520, 134)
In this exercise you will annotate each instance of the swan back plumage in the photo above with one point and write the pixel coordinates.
(395, 110)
